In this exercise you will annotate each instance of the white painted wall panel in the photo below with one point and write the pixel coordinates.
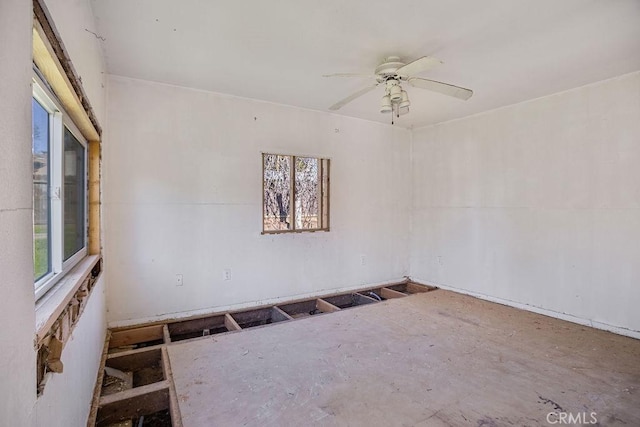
(66, 400)
(72, 389)
(536, 203)
(17, 314)
(183, 183)
(76, 26)
(67, 396)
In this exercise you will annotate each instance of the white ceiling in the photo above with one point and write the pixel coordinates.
(507, 51)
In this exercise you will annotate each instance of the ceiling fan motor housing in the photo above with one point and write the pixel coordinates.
(388, 68)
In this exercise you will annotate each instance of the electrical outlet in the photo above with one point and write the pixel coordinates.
(226, 274)
(179, 280)
(363, 260)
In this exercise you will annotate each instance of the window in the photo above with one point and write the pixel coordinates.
(295, 193)
(59, 190)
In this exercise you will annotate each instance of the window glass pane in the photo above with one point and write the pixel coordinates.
(74, 195)
(307, 192)
(277, 192)
(41, 199)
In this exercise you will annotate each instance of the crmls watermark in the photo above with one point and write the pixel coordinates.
(572, 418)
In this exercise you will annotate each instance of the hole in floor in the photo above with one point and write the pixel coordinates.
(195, 328)
(374, 293)
(259, 317)
(409, 288)
(132, 370)
(349, 300)
(157, 419)
(127, 411)
(301, 309)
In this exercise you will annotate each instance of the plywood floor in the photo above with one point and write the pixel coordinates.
(434, 359)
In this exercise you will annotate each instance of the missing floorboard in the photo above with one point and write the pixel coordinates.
(301, 309)
(132, 404)
(157, 419)
(264, 316)
(188, 329)
(124, 371)
(350, 300)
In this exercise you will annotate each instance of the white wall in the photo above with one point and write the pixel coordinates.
(537, 204)
(183, 189)
(17, 314)
(18, 403)
(66, 400)
(76, 26)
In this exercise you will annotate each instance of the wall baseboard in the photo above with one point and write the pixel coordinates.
(535, 309)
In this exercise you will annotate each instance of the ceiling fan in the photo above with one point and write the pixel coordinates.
(392, 72)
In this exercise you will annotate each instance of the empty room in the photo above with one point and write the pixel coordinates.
(338, 213)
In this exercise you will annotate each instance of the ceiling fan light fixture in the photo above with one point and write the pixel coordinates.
(403, 110)
(404, 101)
(395, 93)
(385, 104)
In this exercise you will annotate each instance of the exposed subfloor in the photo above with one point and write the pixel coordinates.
(136, 385)
(436, 358)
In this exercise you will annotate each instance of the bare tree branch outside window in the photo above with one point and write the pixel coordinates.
(277, 194)
(296, 191)
(306, 203)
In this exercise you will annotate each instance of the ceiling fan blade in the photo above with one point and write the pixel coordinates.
(444, 88)
(351, 97)
(364, 76)
(419, 65)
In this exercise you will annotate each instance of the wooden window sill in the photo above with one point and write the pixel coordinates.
(53, 303)
(308, 230)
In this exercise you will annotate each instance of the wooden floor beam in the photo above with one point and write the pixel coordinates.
(136, 336)
(174, 408)
(281, 315)
(133, 403)
(387, 293)
(326, 307)
(133, 360)
(230, 323)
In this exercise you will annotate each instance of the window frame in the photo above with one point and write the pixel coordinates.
(49, 107)
(59, 120)
(323, 193)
